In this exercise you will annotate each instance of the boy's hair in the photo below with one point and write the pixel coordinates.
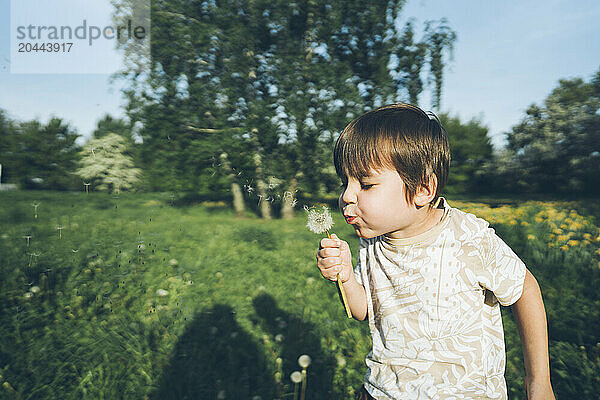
(400, 136)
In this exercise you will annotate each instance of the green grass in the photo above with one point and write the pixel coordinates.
(244, 301)
(140, 299)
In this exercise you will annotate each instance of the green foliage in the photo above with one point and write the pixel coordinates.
(108, 124)
(554, 149)
(471, 149)
(35, 155)
(277, 79)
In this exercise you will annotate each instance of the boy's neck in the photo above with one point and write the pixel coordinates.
(425, 219)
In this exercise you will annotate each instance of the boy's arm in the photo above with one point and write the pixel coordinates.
(530, 318)
(356, 296)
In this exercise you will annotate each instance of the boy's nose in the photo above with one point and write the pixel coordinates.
(348, 195)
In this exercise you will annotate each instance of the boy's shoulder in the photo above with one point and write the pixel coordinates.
(468, 222)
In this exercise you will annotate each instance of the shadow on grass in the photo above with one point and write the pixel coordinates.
(215, 356)
(299, 338)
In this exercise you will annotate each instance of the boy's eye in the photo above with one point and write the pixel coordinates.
(366, 187)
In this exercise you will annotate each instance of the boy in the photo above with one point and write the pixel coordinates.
(429, 277)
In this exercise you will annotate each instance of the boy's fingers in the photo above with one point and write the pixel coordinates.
(335, 237)
(329, 252)
(330, 273)
(329, 243)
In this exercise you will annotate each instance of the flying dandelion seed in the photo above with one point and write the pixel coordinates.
(35, 207)
(27, 237)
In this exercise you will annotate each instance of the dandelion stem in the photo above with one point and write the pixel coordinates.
(342, 291)
(303, 384)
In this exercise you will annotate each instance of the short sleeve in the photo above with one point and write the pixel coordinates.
(358, 268)
(503, 271)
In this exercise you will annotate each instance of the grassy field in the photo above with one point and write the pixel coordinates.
(134, 296)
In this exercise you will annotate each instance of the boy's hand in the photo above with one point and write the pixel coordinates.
(334, 257)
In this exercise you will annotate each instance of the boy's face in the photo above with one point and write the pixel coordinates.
(378, 205)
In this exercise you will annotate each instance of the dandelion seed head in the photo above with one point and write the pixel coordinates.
(162, 292)
(319, 221)
(34, 289)
(296, 377)
(304, 361)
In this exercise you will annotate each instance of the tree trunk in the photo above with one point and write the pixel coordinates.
(236, 191)
(289, 200)
(264, 204)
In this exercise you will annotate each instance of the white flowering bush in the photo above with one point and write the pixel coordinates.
(105, 161)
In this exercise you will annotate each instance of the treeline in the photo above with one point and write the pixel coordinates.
(249, 102)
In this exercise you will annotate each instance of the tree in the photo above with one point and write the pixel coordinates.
(471, 149)
(46, 155)
(8, 148)
(268, 83)
(556, 146)
(105, 162)
(108, 124)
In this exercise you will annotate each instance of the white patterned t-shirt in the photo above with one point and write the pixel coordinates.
(433, 310)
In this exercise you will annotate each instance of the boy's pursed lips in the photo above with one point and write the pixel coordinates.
(349, 218)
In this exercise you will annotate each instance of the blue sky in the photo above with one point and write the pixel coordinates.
(508, 55)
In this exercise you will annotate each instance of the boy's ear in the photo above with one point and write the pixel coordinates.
(426, 192)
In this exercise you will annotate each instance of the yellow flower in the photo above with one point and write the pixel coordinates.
(562, 238)
(557, 231)
(525, 223)
(550, 244)
(531, 237)
(598, 252)
(587, 236)
(563, 226)
(564, 247)
(512, 222)
(573, 243)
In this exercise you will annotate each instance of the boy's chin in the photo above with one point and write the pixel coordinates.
(364, 235)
